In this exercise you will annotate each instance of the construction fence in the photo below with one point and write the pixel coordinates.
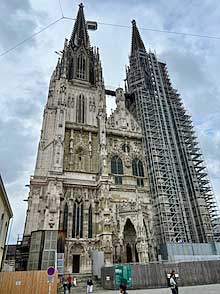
(27, 282)
(154, 275)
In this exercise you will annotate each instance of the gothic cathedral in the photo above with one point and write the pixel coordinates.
(90, 189)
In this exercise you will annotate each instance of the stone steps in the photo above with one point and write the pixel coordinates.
(81, 284)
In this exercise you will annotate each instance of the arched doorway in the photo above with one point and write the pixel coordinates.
(130, 239)
(76, 257)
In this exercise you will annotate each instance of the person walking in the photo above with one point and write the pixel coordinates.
(65, 287)
(90, 286)
(123, 289)
(173, 283)
(69, 279)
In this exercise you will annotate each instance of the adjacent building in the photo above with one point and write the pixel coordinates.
(10, 258)
(128, 187)
(5, 216)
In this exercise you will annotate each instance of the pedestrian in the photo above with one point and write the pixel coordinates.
(69, 279)
(90, 286)
(74, 281)
(65, 287)
(123, 289)
(173, 283)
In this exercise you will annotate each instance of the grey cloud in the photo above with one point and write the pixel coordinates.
(187, 67)
(188, 71)
(21, 112)
(16, 150)
(18, 20)
(16, 5)
(26, 107)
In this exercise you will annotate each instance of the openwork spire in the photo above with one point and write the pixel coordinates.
(80, 35)
(137, 42)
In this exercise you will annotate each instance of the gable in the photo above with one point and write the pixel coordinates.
(122, 119)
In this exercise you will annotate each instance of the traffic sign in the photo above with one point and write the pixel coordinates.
(51, 271)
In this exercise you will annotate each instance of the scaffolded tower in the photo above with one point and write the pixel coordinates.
(184, 204)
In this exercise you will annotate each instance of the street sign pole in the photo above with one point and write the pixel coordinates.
(49, 289)
(50, 277)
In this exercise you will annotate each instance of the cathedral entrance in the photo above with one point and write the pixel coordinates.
(130, 240)
(76, 264)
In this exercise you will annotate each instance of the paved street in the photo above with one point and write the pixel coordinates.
(204, 289)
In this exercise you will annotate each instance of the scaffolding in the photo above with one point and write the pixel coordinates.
(185, 208)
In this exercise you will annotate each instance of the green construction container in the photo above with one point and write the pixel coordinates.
(123, 275)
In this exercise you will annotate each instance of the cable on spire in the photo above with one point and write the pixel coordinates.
(30, 37)
(109, 24)
(61, 9)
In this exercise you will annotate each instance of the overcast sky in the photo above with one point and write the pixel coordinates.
(193, 64)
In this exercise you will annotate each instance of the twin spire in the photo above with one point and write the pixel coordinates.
(136, 42)
(80, 36)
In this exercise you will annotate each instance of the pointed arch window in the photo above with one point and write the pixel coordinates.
(77, 228)
(80, 109)
(90, 222)
(70, 70)
(126, 148)
(65, 218)
(117, 169)
(138, 171)
(146, 230)
(81, 67)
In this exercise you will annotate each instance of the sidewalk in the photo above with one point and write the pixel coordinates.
(204, 289)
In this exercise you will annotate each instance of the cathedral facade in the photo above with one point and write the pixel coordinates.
(132, 187)
(90, 188)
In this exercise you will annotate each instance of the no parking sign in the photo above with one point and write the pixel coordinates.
(50, 277)
(51, 271)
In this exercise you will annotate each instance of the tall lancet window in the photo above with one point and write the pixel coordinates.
(138, 171)
(81, 67)
(70, 70)
(90, 222)
(117, 169)
(80, 109)
(65, 218)
(77, 228)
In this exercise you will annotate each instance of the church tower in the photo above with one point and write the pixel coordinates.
(185, 209)
(89, 192)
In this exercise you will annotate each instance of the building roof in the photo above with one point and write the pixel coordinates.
(5, 197)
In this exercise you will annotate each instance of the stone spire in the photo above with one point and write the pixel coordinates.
(137, 42)
(80, 35)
